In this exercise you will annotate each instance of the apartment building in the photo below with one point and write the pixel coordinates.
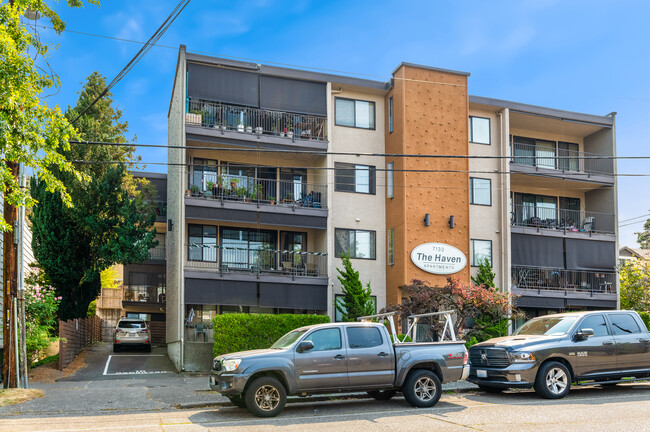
(275, 173)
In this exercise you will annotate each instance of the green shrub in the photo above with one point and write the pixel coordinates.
(645, 316)
(242, 332)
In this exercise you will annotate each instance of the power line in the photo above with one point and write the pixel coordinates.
(637, 217)
(139, 55)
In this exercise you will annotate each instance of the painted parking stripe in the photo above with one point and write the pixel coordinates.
(107, 362)
(138, 372)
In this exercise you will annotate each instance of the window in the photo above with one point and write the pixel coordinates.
(568, 156)
(391, 246)
(247, 248)
(325, 340)
(480, 250)
(542, 153)
(203, 171)
(355, 113)
(389, 180)
(479, 130)
(363, 337)
(480, 191)
(537, 210)
(390, 114)
(355, 243)
(203, 243)
(623, 324)
(338, 317)
(597, 323)
(354, 178)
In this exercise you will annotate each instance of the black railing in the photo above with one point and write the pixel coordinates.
(562, 219)
(561, 160)
(535, 278)
(144, 293)
(258, 261)
(258, 121)
(157, 253)
(209, 185)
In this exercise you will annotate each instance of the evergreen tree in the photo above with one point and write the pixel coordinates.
(485, 275)
(356, 301)
(643, 237)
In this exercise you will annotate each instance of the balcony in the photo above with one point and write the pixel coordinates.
(561, 163)
(579, 222)
(144, 294)
(245, 261)
(236, 122)
(157, 253)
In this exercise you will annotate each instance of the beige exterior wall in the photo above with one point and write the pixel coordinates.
(357, 210)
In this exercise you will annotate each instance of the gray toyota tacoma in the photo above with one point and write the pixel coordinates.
(338, 357)
(550, 352)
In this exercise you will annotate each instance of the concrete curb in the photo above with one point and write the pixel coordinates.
(305, 399)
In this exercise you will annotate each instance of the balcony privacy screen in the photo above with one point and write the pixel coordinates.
(293, 95)
(298, 296)
(537, 251)
(590, 255)
(223, 85)
(220, 292)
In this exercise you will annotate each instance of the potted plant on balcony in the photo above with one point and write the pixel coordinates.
(188, 193)
(288, 128)
(257, 192)
(240, 192)
(208, 189)
(193, 117)
(233, 184)
(195, 190)
(272, 200)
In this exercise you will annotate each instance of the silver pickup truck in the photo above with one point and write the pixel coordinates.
(340, 357)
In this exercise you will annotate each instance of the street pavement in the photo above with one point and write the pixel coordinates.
(136, 391)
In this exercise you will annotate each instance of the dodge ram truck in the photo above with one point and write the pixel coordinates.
(550, 352)
(340, 357)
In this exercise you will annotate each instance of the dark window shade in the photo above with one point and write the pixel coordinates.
(223, 85)
(221, 292)
(290, 296)
(293, 95)
(590, 255)
(537, 251)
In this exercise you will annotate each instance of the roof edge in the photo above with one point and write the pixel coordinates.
(433, 68)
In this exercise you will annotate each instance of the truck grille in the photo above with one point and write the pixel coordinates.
(488, 357)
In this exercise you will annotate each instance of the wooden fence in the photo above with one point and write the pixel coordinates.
(75, 335)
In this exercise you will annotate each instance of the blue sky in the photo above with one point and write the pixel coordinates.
(585, 56)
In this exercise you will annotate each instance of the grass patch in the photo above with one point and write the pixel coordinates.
(46, 360)
(16, 396)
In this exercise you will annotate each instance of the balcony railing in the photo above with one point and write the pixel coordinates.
(562, 219)
(144, 293)
(157, 253)
(258, 121)
(256, 261)
(534, 278)
(257, 190)
(561, 160)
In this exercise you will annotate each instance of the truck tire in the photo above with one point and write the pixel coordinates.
(553, 381)
(265, 397)
(422, 388)
(382, 395)
(238, 401)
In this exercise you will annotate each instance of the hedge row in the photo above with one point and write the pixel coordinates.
(645, 316)
(241, 332)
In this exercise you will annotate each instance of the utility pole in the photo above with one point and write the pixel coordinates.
(9, 274)
(23, 383)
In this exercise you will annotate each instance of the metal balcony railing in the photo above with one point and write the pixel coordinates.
(209, 185)
(258, 121)
(534, 278)
(257, 261)
(562, 219)
(560, 159)
(157, 253)
(144, 293)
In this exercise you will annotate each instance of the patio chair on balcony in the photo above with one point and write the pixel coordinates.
(588, 224)
(201, 328)
(311, 269)
(288, 268)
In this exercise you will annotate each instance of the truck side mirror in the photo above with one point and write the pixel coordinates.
(305, 346)
(583, 334)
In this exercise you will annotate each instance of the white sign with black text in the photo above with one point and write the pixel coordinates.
(438, 258)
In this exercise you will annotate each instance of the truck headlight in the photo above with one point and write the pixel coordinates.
(522, 357)
(230, 365)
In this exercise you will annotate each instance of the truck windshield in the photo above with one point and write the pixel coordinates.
(289, 339)
(549, 326)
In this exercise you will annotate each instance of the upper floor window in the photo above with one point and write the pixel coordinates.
(355, 243)
(479, 130)
(390, 114)
(480, 191)
(390, 193)
(355, 113)
(354, 178)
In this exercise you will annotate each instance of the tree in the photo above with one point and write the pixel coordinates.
(112, 220)
(643, 237)
(31, 132)
(635, 285)
(356, 301)
(485, 275)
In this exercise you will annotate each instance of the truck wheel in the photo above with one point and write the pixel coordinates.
(422, 388)
(553, 381)
(382, 395)
(265, 397)
(238, 401)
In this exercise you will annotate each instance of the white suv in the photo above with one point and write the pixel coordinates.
(131, 332)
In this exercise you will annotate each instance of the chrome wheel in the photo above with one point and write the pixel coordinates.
(267, 398)
(425, 389)
(556, 381)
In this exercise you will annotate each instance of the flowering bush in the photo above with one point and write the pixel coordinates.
(41, 305)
